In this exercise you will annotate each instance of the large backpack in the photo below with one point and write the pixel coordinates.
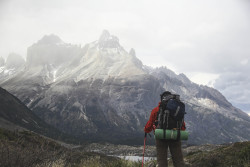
(171, 114)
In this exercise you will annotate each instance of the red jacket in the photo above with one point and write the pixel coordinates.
(151, 122)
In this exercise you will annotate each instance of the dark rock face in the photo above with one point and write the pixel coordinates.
(15, 115)
(112, 110)
(103, 93)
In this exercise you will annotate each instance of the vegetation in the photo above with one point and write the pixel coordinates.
(24, 148)
(234, 155)
(29, 149)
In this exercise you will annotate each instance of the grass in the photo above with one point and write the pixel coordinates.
(237, 154)
(29, 149)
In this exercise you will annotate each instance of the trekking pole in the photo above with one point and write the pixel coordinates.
(144, 149)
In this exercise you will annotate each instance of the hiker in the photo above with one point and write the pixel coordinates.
(162, 145)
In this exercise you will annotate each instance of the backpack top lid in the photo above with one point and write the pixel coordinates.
(165, 96)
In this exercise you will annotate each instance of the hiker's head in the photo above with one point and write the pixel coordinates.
(165, 94)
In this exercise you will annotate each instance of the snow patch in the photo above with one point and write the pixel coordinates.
(54, 75)
(185, 91)
(9, 71)
(208, 103)
(82, 110)
(25, 121)
(31, 100)
(1, 69)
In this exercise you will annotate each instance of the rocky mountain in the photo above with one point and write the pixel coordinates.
(101, 92)
(14, 115)
(210, 115)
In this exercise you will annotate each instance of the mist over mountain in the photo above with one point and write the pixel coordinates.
(14, 61)
(101, 92)
(2, 61)
(51, 50)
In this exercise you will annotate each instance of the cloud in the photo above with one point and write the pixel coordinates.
(208, 79)
(236, 87)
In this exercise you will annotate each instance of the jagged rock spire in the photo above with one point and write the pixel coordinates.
(14, 60)
(105, 36)
(50, 39)
(108, 41)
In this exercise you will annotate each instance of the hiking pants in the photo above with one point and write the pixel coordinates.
(175, 150)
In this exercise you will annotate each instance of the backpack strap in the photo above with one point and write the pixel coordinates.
(178, 134)
(177, 111)
(178, 131)
(165, 122)
(159, 118)
(166, 115)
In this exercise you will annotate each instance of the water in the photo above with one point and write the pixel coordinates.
(137, 158)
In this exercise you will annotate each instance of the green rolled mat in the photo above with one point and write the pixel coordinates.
(171, 134)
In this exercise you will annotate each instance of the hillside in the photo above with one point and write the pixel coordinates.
(29, 149)
(14, 115)
(237, 154)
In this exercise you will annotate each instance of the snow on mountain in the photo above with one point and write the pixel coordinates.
(101, 90)
(105, 59)
(108, 41)
(14, 64)
(53, 60)
(208, 103)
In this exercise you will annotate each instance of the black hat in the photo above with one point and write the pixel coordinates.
(164, 94)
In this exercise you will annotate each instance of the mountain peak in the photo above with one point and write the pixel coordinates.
(108, 41)
(184, 78)
(104, 36)
(50, 39)
(14, 60)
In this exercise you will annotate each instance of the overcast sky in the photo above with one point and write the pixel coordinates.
(208, 40)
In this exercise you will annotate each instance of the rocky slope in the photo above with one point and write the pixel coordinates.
(15, 116)
(101, 92)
